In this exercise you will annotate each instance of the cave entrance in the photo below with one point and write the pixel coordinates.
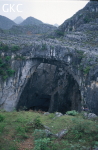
(50, 89)
(33, 98)
(69, 98)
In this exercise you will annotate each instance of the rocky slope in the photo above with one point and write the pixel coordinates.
(6, 23)
(88, 14)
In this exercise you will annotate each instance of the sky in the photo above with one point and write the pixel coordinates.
(48, 11)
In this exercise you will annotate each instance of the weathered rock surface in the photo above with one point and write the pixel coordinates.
(90, 115)
(62, 133)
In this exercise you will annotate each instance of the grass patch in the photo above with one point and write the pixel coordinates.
(17, 127)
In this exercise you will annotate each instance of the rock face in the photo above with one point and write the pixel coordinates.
(50, 74)
(6, 23)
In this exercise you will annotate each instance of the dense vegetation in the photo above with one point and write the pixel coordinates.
(5, 61)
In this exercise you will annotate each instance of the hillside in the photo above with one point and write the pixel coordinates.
(34, 29)
(18, 20)
(6, 23)
(84, 16)
(31, 21)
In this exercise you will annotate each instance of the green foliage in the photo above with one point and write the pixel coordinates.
(21, 131)
(82, 133)
(44, 47)
(42, 144)
(5, 70)
(15, 48)
(4, 47)
(7, 58)
(80, 53)
(72, 113)
(51, 115)
(38, 134)
(96, 144)
(2, 126)
(37, 123)
(21, 120)
(10, 72)
(86, 69)
(1, 117)
(8, 145)
(87, 19)
(59, 33)
(5, 77)
(19, 57)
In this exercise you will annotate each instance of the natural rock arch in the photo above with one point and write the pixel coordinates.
(14, 86)
(62, 93)
(71, 59)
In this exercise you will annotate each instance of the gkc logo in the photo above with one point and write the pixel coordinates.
(12, 8)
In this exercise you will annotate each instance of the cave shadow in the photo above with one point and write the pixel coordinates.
(33, 98)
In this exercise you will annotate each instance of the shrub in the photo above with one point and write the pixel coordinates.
(10, 72)
(21, 131)
(80, 54)
(5, 69)
(72, 113)
(15, 48)
(4, 47)
(59, 33)
(7, 58)
(42, 144)
(51, 115)
(2, 128)
(1, 118)
(6, 144)
(86, 70)
(38, 134)
(87, 19)
(37, 123)
(44, 47)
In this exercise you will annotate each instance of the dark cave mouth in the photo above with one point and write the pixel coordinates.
(41, 102)
(34, 98)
